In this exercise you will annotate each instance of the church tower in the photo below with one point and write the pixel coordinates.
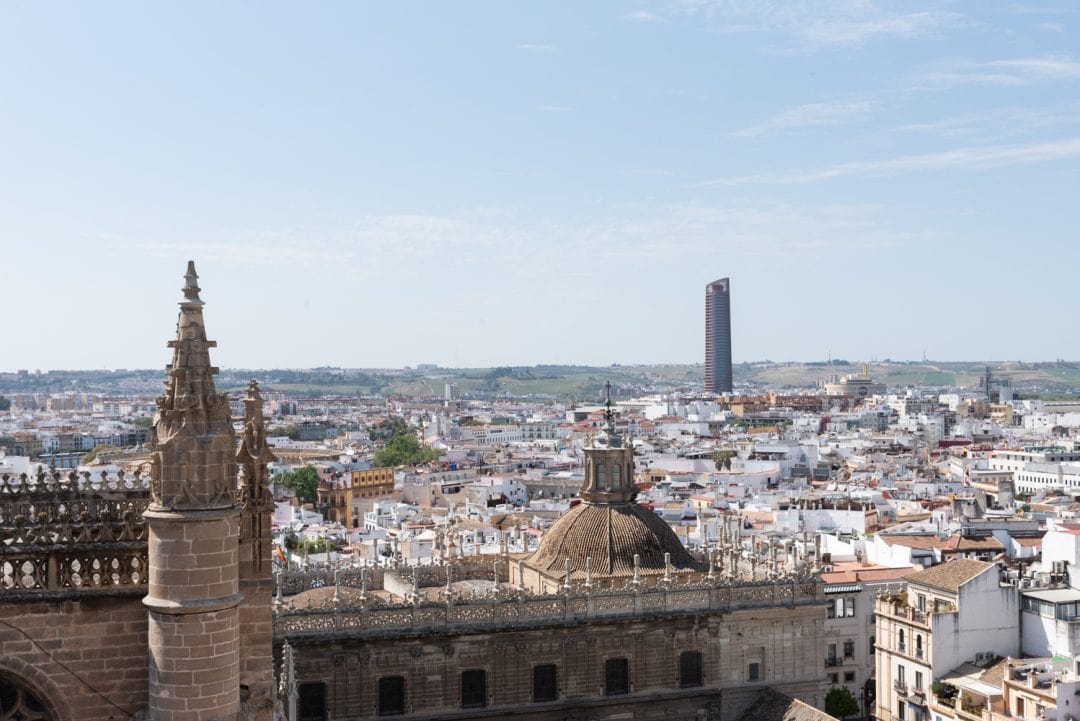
(193, 521)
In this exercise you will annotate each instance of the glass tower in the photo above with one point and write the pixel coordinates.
(718, 337)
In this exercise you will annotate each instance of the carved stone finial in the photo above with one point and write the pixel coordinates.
(191, 285)
(192, 467)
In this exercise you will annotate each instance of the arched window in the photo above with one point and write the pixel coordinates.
(601, 477)
(19, 702)
(901, 641)
(616, 475)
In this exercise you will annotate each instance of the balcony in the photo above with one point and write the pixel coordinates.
(902, 612)
(832, 662)
(901, 687)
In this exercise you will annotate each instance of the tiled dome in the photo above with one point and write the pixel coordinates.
(610, 535)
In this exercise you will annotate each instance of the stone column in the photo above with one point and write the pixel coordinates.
(194, 633)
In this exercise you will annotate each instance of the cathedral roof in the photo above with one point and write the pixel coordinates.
(609, 536)
(771, 705)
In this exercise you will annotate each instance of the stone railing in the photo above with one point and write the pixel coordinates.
(427, 575)
(65, 534)
(518, 609)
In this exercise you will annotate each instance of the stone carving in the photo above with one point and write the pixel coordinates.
(192, 461)
(254, 454)
(524, 610)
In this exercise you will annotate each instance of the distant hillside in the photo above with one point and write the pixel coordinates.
(1056, 379)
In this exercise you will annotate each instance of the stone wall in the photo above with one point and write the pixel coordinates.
(785, 641)
(85, 658)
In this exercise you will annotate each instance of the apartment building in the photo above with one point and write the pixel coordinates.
(949, 614)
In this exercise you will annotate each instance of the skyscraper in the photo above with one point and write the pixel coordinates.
(718, 337)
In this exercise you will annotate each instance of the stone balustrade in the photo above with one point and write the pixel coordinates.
(64, 534)
(511, 608)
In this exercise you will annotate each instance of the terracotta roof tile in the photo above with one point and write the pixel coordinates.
(771, 705)
(952, 575)
(609, 535)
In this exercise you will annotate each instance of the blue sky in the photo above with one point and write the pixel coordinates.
(387, 184)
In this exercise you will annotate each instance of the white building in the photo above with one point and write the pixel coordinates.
(949, 614)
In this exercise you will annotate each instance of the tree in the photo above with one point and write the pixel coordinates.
(722, 460)
(303, 482)
(401, 448)
(5, 403)
(404, 450)
(841, 703)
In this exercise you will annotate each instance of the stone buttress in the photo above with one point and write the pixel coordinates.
(193, 520)
(256, 572)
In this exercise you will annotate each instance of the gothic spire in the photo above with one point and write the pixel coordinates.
(193, 463)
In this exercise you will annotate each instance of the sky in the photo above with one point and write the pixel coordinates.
(373, 184)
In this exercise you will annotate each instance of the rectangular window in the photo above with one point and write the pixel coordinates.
(311, 704)
(922, 601)
(849, 606)
(901, 706)
(834, 679)
(831, 610)
(690, 669)
(545, 683)
(616, 677)
(391, 696)
(474, 688)
(900, 675)
(849, 649)
(918, 680)
(753, 672)
(849, 677)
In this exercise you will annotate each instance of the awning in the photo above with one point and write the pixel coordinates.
(843, 588)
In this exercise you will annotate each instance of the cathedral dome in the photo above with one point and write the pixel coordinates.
(607, 529)
(608, 536)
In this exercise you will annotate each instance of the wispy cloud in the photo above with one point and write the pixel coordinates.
(811, 115)
(993, 125)
(824, 22)
(642, 16)
(972, 158)
(1014, 72)
(537, 48)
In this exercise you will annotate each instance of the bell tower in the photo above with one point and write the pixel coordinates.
(193, 521)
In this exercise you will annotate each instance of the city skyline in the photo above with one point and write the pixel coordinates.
(475, 185)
